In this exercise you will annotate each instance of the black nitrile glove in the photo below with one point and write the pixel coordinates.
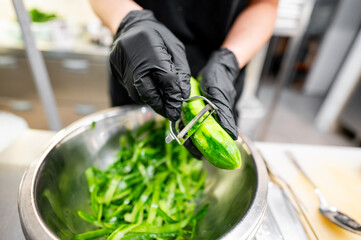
(216, 81)
(150, 62)
(192, 149)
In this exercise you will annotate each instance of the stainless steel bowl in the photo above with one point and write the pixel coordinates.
(54, 187)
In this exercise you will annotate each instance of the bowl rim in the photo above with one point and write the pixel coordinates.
(34, 227)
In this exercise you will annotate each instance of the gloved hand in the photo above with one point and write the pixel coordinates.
(150, 62)
(216, 81)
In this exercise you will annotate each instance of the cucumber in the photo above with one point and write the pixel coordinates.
(209, 137)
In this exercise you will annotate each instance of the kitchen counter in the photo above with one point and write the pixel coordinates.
(79, 49)
(69, 69)
(336, 171)
(329, 167)
(13, 162)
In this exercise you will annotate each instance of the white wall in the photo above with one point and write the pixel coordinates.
(334, 47)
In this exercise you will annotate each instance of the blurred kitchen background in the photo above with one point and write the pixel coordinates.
(302, 87)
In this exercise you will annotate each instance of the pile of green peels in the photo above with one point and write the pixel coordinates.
(151, 192)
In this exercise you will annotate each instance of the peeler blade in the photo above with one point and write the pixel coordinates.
(189, 126)
(189, 129)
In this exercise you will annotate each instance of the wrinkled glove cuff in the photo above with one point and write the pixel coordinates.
(134, 17)
(228, 59)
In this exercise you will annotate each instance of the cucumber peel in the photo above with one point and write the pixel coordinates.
(151, 191)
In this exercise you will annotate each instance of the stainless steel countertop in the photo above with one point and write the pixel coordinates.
(13, 163)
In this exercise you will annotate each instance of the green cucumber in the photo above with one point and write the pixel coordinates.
(209, 137)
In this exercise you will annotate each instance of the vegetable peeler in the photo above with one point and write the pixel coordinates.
(185, 133)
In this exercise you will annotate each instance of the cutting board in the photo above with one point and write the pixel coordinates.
(335, 170)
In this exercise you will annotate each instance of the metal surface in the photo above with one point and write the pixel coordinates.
(268, 229)
(329, 212)
(285, 214)
(38, 68)
(54, 187)
(185, 131)
(282, 184)
(10, 177)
